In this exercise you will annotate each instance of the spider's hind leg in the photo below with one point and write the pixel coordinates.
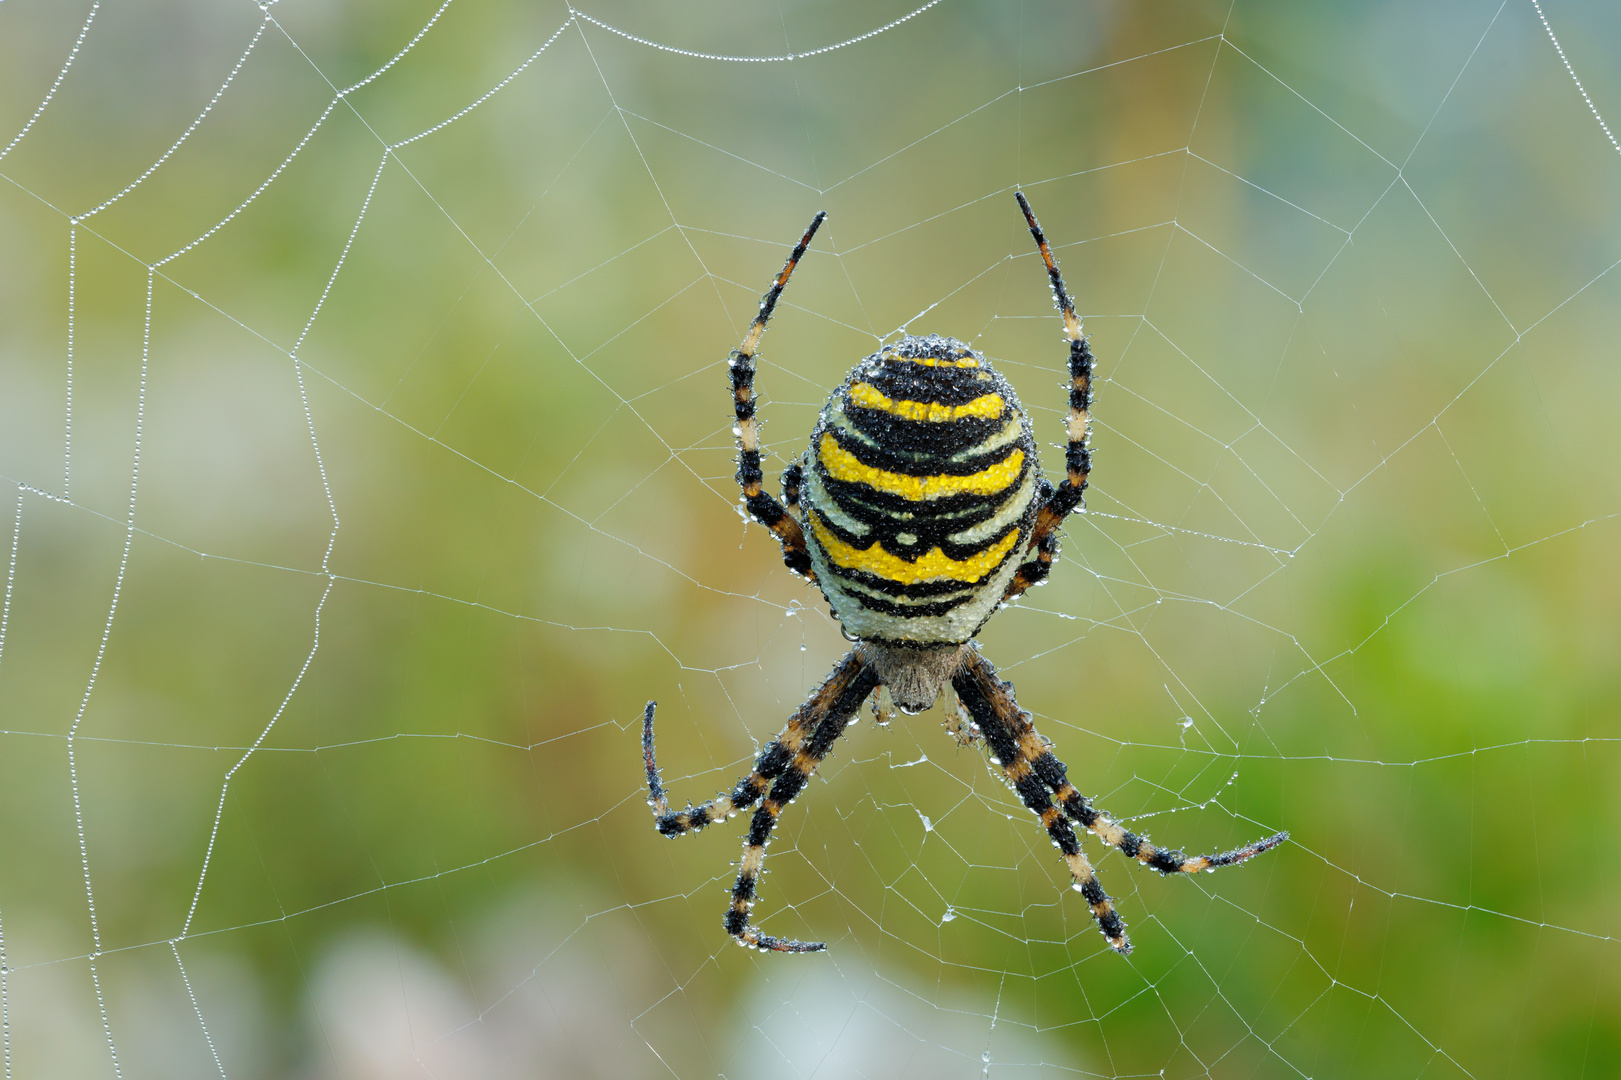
(1022, 754)
(1034, 771)
(767, 767)
(1165, 860)
(785, 766)
(959, 721)
(811, 734)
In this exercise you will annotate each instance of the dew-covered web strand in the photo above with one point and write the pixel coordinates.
(578, 14)
(151, 269)
(76, 220)
(184, 135)
(95, 671)
(5, 1003)
(67, 423)
(73, 54)
(5, 623)
(326, 556)
(309, 420)
(11, 571)
(197, 1009)
(1580, 89)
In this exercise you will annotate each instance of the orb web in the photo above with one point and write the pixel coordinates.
(365, 410)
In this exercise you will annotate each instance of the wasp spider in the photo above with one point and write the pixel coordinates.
(919, 509)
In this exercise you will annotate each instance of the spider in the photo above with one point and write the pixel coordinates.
(919, 509)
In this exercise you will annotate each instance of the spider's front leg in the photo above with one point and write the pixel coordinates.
(786, 764)
(750, 476)
(1058, 503)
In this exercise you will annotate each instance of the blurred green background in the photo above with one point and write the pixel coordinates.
(319, 741)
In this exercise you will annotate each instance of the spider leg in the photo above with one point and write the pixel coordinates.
(958, 719)
(1165, 860)
(822, 719)
(1063, 500)
(1035, 770)
(767, 767)
(1020, 751)
(793, 478)
(750, 477)
(790, 761)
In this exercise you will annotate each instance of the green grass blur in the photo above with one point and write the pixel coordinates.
(1349, 569)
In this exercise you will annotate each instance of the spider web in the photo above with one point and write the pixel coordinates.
(362, 402)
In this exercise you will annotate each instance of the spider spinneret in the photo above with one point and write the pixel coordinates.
(919, 509)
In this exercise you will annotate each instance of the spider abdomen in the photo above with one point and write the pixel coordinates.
(919, 493)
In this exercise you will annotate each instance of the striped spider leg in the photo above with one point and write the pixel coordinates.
(1063, 500)
(750, 477)
(1027, 761)
(785, 765)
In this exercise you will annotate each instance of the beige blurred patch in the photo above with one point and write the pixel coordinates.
(835, 1016)
(549, 984)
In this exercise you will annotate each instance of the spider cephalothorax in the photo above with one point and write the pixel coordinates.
(919, 508)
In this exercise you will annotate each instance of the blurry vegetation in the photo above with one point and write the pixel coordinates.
(1351, 570)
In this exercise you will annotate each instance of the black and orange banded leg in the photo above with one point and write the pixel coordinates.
(767, 767)
(1035, 770)
(793, 479)
(786, 765)
(1165, 860)
(750, 477)
(1010, 736)
(1058, 503)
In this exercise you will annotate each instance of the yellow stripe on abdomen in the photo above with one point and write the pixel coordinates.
(890, 356)
(843, 465)
(867, 396)
(933, 565)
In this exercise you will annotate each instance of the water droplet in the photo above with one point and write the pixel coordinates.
(948, 916)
